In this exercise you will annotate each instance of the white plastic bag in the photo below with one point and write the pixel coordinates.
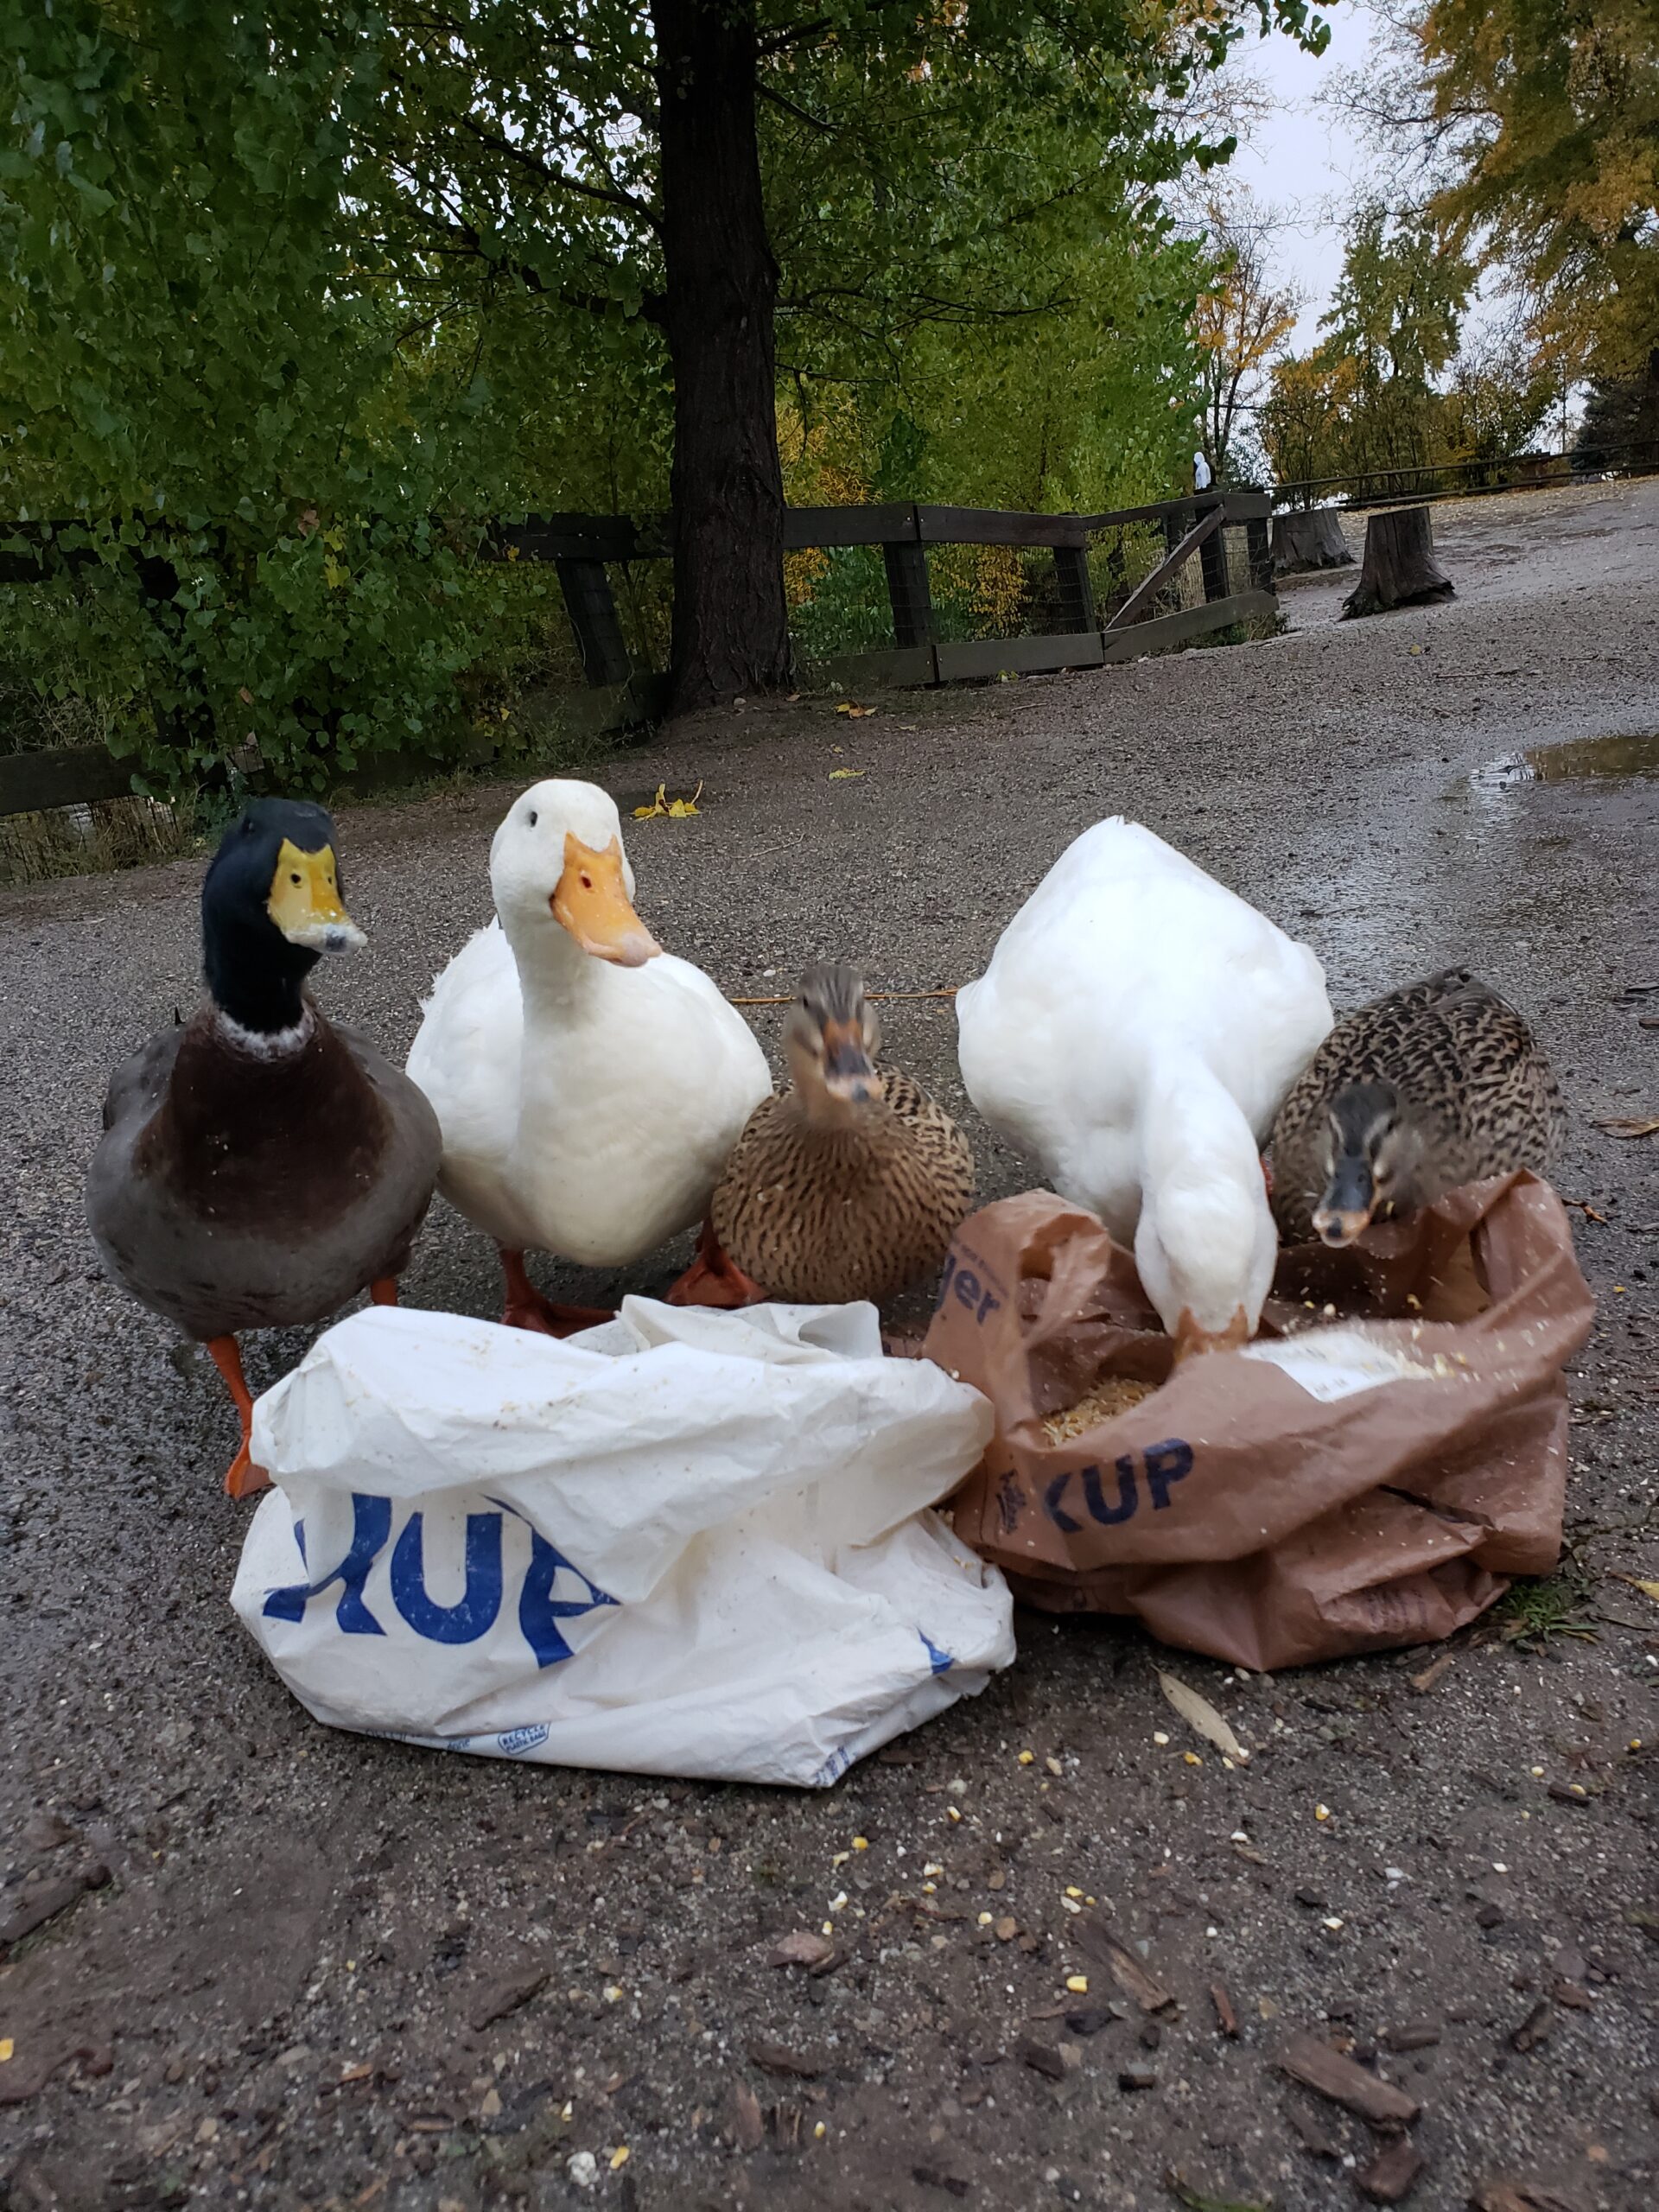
(684, 1544)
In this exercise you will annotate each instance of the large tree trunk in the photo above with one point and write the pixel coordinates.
(1308, 537)
(731, 625)
(1400, 568)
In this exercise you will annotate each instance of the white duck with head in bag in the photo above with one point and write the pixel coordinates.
(1134, 1034)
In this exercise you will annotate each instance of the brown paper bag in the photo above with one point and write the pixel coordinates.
(1354, 1480)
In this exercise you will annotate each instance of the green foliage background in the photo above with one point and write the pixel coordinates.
(297, 295)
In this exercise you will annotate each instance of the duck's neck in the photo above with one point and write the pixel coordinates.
(1205, 1241)
(555, 974)
(259, 995)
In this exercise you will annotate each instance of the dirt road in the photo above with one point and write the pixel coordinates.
(315, 1970)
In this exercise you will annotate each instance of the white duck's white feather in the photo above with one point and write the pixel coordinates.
(1135, 1033)
(588, 1109)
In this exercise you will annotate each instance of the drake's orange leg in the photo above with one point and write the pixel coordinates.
(384, 1290)
(243, 1479)
(714, 1279)
(526, 1308)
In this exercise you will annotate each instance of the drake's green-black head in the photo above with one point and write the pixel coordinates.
(270, 904)
(1364, 1124)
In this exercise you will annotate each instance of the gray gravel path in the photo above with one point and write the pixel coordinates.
(282, 1994)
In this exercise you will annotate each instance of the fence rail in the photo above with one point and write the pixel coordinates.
(1450, 479)
(583, 547)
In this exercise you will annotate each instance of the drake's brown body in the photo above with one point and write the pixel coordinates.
(239, 1188)
(817, 1214)
(1473, 1084)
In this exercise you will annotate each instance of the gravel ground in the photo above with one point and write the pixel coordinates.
(315, 1970)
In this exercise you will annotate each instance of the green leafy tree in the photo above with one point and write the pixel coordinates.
(1533, 130)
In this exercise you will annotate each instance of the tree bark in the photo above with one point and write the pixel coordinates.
(1309, 538)
(731, 623)
(1399, 568)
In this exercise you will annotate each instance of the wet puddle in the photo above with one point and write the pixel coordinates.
(1579, 757)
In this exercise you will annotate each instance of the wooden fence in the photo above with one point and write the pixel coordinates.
(584, 548)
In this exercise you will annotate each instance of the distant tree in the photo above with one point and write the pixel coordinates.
(1533, 131)
(1302, 422)
(1242, 320)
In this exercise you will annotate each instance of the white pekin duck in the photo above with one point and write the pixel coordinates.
(1135, 1033)
(589, 1085)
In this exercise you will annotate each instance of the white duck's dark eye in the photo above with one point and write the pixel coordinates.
(531, 818)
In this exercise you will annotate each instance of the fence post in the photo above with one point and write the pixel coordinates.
(909, 593)
(1213, 563)
(1077, 593)
(1258, 545)
(592, 609)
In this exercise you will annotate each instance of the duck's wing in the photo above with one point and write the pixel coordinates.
(135, 1089)
(467, 1051)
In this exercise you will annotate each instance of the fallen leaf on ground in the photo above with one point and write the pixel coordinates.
(747, 2126)
(858, 713)
(844, 775)
(1647, 1589)
(1196, 2201)
(802, 1948)
(1199, 1713)
(1621, 1125)
(662, 807)
(1431, 1674)
(777, 2059)
(1126, 1970)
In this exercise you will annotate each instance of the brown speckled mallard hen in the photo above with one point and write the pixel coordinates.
(849, 1185)
(1434, 1085)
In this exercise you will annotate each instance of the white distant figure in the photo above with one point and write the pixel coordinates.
(1201, 479)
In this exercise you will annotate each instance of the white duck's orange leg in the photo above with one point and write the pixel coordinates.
(527, 1307)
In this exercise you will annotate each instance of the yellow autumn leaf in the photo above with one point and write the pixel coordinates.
(843, 775)
(1647, 1589)
(857, 713)
(662, 807)
(1199, 1713)
(334, 575)
(7, 2047)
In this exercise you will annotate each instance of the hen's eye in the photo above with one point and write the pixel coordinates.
(293, 878)
(533, 821)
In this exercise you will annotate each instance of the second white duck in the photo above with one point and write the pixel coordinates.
(1135, 1033)
(589, 1085)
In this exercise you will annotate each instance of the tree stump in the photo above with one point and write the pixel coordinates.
(1400, 568)
(1309, 538)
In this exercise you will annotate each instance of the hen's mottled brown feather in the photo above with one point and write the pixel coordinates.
(818, 1216)
(1470, 1076)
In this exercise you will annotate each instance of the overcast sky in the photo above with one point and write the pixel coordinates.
(1302, 160)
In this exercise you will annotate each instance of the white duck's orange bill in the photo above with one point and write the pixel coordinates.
(592, 902)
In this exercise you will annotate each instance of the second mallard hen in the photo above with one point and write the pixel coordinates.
(1435, 1084)
(849, 1185)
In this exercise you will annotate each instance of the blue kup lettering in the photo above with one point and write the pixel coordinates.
(1118, 1499)
(479, 1608)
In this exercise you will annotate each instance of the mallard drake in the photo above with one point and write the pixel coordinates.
(260, 1166)
(1135, 1033)
(590, 1086)
(1433, 1085)
(848, 1185)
